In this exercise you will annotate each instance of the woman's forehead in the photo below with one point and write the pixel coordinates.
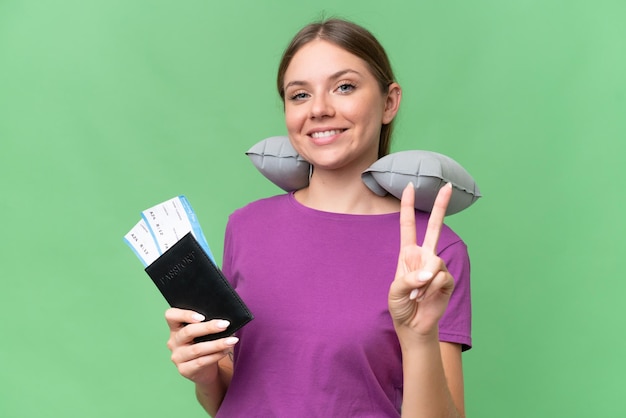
(320, 59)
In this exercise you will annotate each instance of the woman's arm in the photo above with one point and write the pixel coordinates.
(209, 363)
(453, 370)
(418, 297)
(433, 380)
(210, 395)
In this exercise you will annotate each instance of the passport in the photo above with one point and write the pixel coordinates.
(169, 241)
(188, 279)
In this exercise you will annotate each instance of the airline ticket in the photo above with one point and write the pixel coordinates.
(161, 226)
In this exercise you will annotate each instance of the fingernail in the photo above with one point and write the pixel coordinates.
(223, 324)
(449, 185)
(198, 317)
(413, 294)
(424, 276)
(231, 340)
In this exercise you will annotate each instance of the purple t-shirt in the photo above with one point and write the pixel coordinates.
(322, 343)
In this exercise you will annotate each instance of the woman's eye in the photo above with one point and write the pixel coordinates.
(345, 88)
(298, 96)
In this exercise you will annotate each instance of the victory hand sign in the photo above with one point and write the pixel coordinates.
(422, 286)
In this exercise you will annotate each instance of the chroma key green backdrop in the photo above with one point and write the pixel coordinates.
(108, 107)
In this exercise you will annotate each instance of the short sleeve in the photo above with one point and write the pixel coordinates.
(455, 326)
(227, 259)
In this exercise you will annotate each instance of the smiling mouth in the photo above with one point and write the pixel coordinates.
(326, 134)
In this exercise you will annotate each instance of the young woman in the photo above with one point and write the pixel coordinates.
(361, 303)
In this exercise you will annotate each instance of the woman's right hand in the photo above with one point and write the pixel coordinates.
(197, 362)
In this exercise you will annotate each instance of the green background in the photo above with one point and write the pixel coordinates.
(108, 107)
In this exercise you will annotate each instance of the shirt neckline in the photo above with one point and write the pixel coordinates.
(336, 215)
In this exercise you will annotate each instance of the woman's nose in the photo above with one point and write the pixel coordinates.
(321, 106)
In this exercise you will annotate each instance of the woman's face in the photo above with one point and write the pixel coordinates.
(334, 107)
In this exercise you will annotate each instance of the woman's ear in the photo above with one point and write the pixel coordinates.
(392, 103)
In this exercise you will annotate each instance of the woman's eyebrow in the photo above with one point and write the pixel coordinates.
(334, 76)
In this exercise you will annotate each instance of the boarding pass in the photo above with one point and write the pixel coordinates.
(161, 226)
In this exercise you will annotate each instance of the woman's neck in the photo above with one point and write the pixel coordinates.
(333, 192)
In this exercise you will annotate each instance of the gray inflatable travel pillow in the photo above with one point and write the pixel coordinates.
(277, 160)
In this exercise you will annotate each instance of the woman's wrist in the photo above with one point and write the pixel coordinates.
(210, 394)
(410, 339)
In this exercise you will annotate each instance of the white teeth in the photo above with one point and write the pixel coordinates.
(326, 133)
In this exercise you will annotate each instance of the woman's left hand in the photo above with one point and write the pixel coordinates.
(421, 289)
